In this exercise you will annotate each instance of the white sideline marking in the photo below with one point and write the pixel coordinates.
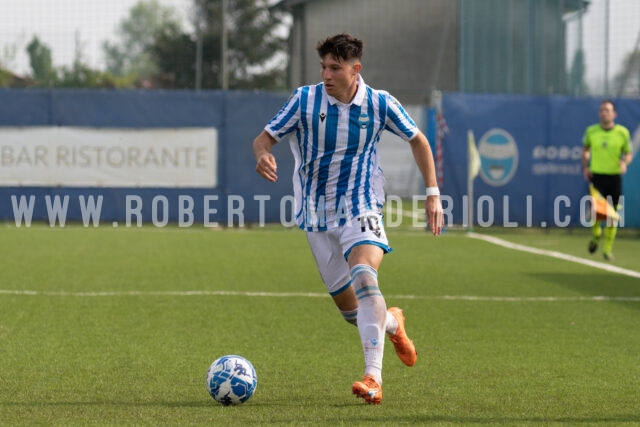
(554, 254)
(413, 215)
(311, 295)
(161, 293)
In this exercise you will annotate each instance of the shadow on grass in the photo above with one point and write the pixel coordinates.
(489, 420)
(159, 404)
(374, 414)
(615, 287)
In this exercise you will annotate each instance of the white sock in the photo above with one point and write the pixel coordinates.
(390, 324)
(372, 315)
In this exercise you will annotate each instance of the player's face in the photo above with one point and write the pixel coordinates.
(607, 114)
(339, 77)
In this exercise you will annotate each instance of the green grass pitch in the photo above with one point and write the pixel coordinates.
(119, 326)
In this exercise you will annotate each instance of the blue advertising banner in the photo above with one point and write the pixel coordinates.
(530, 150)
(63, 139)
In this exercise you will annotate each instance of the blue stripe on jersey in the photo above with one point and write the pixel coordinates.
(399, 120)
(304, 98)
(369, 154)
(315, 117)
(357, 185)
(303, 143)
(283, 121)
(382, 109)
(366, 186)
(330, 139)
(353, 142)
(300, 179)
(353, 176)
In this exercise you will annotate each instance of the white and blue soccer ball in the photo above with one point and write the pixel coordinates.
(231, 380)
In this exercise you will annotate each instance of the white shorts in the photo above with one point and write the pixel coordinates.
(331, 248)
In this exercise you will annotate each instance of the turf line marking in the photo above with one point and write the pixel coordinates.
(159, 293)
(412, 214)
(555, 254)
(313, 295)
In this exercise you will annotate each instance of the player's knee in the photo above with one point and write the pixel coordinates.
(364, 279)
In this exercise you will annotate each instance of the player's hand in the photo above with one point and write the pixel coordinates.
(587, 174)
(623, 167)
(435, 217)
(267, 167)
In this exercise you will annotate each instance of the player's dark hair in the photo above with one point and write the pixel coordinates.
(341, 46)
(608, 101)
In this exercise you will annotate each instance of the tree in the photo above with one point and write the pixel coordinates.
(8, 78)
(79, 74)
(253, 47)
(41, 63)
(132, 55)
(8, 56)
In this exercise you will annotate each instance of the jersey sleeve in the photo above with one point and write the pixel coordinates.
(586, 141)
(287, 119)
(398, 120)
(626, 147)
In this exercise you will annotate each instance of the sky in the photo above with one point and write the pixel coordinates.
(59, 23)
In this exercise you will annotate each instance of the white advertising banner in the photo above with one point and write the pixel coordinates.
(107, 157)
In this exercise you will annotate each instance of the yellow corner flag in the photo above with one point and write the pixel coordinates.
(604, 210)
(473, 156)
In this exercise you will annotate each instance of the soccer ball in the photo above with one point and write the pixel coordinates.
(231, 380)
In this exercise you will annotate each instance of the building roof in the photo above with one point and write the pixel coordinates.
(569, 5)
(284, 4)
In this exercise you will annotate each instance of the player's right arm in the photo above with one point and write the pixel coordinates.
(265, 161)
(285, 122)
(627, 153)
(586, 155)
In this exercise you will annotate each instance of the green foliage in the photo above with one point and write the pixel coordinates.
(132, 55)
(111, 334)
(41, 62)
(253, 43)
(174, 53)
(77, 75)
(81, 75)
(155, 51)
(6, 78)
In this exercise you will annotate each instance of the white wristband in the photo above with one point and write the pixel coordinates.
(433, 191)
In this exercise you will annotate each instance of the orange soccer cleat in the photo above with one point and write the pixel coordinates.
(368, 389)
(405, 349)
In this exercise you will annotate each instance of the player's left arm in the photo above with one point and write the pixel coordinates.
(627, 155)
(401, 124)
(424, 159)
(266, 164)
(624, 162)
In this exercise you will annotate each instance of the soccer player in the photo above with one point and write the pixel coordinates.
(334, 128)
(606, 154)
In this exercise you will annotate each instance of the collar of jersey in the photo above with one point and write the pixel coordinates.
(356, 99)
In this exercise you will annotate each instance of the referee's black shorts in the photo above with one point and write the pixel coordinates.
(608, 186)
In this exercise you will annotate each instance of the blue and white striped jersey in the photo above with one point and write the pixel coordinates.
(337, 173)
